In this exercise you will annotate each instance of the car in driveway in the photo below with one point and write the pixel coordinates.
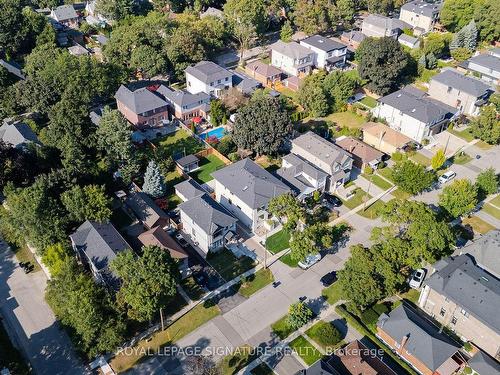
(417, 278)
(329, 278)
(331, 200)
(355, 98)
(181, 240)
(310, 260)
(446, 177)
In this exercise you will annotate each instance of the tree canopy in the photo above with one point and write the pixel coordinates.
(486, 126)
(88, 203)
(412, 177)
(458, 198)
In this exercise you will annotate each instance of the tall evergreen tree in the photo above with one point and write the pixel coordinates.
(470, 36)
(458, 40)
(154, 183)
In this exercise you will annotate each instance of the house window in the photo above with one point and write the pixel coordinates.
(453, 320)
(442, 312)
(449, 89)
(464, 313)
(230, 202)
(227, 79)
(218, 81)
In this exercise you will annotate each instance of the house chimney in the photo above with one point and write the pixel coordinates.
(403, 343)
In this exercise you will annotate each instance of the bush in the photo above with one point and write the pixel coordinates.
(425, 141)
(368, 170)
(298, 315)
(233, 156)
(226, 145)
(397, 156)
(327, 334)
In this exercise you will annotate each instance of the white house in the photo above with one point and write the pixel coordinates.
(486, 66)
(420, 14)
(245, 188)
(327, 52)
(413, 113)
(292, 58)
(208, 77)
(206, 222)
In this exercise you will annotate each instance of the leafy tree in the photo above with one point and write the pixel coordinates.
(380, 7)
(148, 282)
(226, 145)
(487, 182)
(486, 15)
(436, 43)
(147, 60)
(154, 183)
(302, 245)
(55, 257)
(339, 86)
(455, 14)
(486, 126)
(262, 125)
(87, 203)
(345, 10)
(458, 198)
(286, 205)
(217, 112)
(311, 16)
(115, 9)
(286, 32)
(412, 177)
(328, 334)
(298, 315)
(312, 96)
(461, 54)
(246, 12)
(438, 159)
(314, 237)
(383, 62)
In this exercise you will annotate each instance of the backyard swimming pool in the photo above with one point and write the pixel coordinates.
(217, 132)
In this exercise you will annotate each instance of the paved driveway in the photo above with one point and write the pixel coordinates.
(30, 321)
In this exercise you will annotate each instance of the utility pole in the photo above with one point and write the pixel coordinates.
(161, 319)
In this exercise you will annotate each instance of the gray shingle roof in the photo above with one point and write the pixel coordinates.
(470, 85)
(207, 213)
(291, 49)
(187, 160)
(145, 209)
(64, 12)
(189, 189)
(387, 23)
(408, 39)
(424, 342)
(355, 36)
(322, 43)
(139, 100)
(182, 98)
(17, 134)
(244, 83)
(486, 60)
(250, 182)
(422, 7)
(417, 104)
(486, 252)
(13, 68)
(214, 12)
(293, 174)
(470, 287)
(483, 364)
(208, 71)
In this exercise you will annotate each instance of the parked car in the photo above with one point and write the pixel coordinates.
(310, 260)
(355, 98)
(417, 278)
(332, 200)
(329, 278)
(446, 177)
(181, 240)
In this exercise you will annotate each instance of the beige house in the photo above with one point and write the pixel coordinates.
(383, 138)
(466, 299)
(422, 15)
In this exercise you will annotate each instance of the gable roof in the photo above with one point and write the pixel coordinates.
(418, 105)
(386, 23)
(250, 182)
(17, 134)
(208, 71)
(293, 175)
(207, 213)
(424, 341)
(470, 287)
(354, 35)
(159, 237)
(486, 60)
(470, 85)
(486, 252)
(483, 364)
(64, 12)
(214, 12)
(189, 189)
(408, 39)
(187, 160)
(145, 209)
(245, 83)
(139, 100)
(263, 69)
(322, 43)
(291, 49)
(181, 97)
(388, 135)
(360, 149)
(422, 7)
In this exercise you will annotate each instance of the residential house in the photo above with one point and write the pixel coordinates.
(363, 154)
(327, 52)
(353, 359)
(96, 245)
(465, 93)
(206, 222)
(17, 134)
(352, 38)
(65, 15)
(266, 74)
(413, 113)
(485, 251)
(292, 58)
(245, 189)
(78, 50)
(188, 163)
(157, 236)
(419, 342)
(13, 68)
(146, 210)
(420, 14)
(409, 41)
(212, 12)
(292, 82)
(325, 155)
(303, 177)
(141, 104)
(486, 66)
(466, 299)
(378, 26)
(482, 364)
(93, 17)
(384, 138)
(185, 105)
(188, 189)
(244, 83)
(208, 77)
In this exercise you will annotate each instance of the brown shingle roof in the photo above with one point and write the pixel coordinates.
(389, 135)
(159, 237)
(263, 69)
(360, 149)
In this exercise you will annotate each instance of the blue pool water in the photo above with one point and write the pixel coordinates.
(217, 132)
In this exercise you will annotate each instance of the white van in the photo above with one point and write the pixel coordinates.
(448, 176)
(310, 260)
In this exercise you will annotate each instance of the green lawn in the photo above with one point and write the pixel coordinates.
(347, 118)
(333, 293)
(387, 173)
(23, 254)
(255, 282)
(478, 225)
(192, 289)
(369, 101)
(305, 350)
(262, 369)
(171, 179)
(464, 134)
(327, 343)
(400, 194)
(178, 143)
(287, 259)
(493, 211)
(421, 159)
(281, 328)
(461, 159)
(180, 328)
(378, 181)
(234, 362)
(359, 197)
(373, 210)
(411, 295)
(228, 266)
(496, 201)
(208, 165)
(483, 145)
(278, 241)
